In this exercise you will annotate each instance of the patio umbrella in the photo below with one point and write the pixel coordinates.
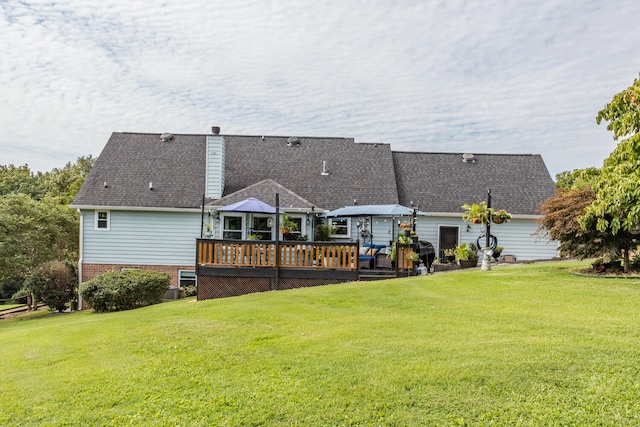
(249, 205)
(372, 210)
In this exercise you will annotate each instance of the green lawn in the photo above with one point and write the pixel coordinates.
(525, 345)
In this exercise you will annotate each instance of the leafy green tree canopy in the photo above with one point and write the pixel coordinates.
(616, 207)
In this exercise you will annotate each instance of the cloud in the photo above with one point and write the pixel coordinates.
(432, 76)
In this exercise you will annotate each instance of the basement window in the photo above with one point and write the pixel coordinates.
(186, 278)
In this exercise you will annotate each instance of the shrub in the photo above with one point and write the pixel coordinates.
(54, 283)
(10, 286)
(115, 291)
(190, 291)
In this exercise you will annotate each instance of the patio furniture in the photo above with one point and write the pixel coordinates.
(367, 255)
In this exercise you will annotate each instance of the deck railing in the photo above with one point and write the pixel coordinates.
(295, 255)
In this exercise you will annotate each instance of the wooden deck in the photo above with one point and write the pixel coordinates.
(237, 267)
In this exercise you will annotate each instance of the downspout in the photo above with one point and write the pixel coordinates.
(80, 252)
(202, 218)
(277, 272)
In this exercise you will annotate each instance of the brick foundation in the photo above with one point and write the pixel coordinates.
(89, 271)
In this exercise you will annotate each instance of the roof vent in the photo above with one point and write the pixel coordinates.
(468, 158)
(293, 141)
(167, 136)
(324, 169)
(215, 130)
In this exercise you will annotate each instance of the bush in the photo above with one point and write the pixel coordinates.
(10, 286)
(115, 291)
(54, 283)
(190, 291)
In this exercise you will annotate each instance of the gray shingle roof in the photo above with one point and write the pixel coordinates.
(258, 166)
(442, 182)
(266, 191)
(130, 161)
(356, 170)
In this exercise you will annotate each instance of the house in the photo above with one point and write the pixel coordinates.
(142, 204)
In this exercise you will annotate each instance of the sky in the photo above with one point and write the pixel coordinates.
(486, 76)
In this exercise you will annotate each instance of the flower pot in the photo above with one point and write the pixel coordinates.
(497, 219)
(468, 263)
(475, 220)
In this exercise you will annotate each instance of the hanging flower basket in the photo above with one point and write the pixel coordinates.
(501, 216)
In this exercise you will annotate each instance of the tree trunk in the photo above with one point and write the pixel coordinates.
(626, 264)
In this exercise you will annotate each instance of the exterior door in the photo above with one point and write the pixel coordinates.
(448, 238)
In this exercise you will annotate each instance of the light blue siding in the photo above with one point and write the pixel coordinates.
(215, 166)
(517, 236)
(138, 237)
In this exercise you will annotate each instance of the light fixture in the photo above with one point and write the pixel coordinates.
(468, 228)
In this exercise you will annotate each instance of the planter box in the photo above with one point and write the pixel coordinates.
(468, 264)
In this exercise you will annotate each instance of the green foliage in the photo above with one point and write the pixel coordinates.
(577, 178)
(560, 222)
(477, 213)
(526, 346)
(10, 286)
(20, 180)
(36, 226)
(115, 291)
(190, 291)
(54, 283)
(466, 252)
(33, 232)
(324, 232)
(616, 207)
(59, 184)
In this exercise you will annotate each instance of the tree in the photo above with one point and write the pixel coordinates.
(54, 283)
(616, 207)
(34, 232)
(20, 180)
(65, 183)
(577, 178)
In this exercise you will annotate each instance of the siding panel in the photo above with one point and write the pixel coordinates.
(138, 237)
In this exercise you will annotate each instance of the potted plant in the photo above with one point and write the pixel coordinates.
(287, 225)
(450, 254)
(467, 255)
(255, 237)
(477, 213)
(207, 230)
(324, 232)
(403, 240)
(406, 227)
(497, 251)
(413, 256)
(501, 216)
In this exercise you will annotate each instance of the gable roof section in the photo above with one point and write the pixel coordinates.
(355, 170)
(265, 190)
(130, 161)
(442, 182)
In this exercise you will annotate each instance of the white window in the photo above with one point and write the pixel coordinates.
(342, 227)
(232, 228)
(102, 220)
(186, 278)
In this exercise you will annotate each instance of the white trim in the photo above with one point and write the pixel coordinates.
(133, 208)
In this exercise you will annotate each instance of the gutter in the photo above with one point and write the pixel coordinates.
(133, 208)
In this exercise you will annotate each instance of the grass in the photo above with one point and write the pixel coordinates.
(524, 345)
